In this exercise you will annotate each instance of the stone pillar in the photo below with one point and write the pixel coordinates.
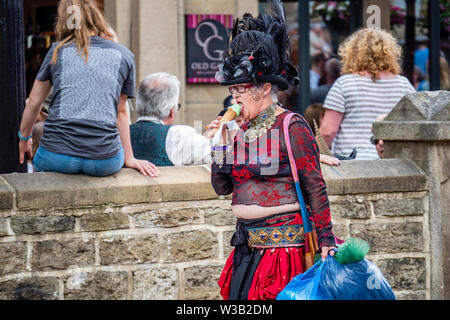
(157, 39)
(418, 128)
(118, 14)
(154, 31)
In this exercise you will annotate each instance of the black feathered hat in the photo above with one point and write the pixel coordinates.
(258, 51)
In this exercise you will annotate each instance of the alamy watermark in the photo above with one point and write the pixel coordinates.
(373, 282)
(374, 18)
(74, 20)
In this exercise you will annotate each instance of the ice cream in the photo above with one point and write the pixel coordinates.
(231, 114)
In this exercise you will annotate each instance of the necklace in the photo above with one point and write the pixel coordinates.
(259, 126)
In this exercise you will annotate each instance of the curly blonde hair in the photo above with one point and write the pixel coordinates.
(372, 50)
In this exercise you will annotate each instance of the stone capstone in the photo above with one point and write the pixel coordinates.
(374, 176)
(420, 116)
(422, 106)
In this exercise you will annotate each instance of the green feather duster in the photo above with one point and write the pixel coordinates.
(352, 250)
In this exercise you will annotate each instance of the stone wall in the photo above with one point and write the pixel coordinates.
(134, 237)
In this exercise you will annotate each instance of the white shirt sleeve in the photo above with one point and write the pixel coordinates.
(184, 146)
(409, 86)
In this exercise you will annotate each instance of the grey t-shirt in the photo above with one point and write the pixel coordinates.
(83, 110)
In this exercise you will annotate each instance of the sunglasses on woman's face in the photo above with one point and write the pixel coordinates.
(242, 88)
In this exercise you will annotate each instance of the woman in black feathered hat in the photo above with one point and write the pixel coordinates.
(272, 242)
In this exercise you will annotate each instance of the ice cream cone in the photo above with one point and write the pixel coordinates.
(231, 114)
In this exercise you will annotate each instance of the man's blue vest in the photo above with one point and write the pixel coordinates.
(148, 140)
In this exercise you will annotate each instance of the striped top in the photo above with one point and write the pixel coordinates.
(361, 101)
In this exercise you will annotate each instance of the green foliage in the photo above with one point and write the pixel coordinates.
(331, 9)
(444, 17)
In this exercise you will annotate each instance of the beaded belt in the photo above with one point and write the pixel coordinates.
(276, 237)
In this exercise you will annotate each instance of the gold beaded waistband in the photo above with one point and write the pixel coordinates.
(276, 237)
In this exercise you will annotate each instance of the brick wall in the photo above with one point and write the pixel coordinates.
(134, 237)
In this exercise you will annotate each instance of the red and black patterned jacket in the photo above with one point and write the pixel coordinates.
(253, 179)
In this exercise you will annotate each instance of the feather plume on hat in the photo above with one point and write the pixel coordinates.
(259, 50)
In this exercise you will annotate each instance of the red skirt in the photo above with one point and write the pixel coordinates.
(266, 272)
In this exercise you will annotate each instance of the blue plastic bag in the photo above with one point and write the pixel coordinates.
(330, 280)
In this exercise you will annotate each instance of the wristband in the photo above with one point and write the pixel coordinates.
(222, 147)
(219, 153)
(23, 138)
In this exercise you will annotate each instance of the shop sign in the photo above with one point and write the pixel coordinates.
(207, 37)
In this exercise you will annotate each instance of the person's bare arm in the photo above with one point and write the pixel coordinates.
(143, 166)
(330, 125)
(38, 94)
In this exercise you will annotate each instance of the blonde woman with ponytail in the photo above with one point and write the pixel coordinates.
(87, 130)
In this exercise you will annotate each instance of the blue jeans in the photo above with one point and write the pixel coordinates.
(45, 160)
